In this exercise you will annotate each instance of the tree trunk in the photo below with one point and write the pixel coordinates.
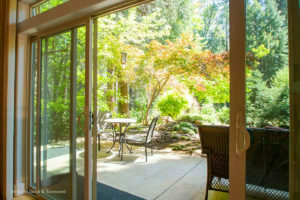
(145, 121)
(123, 103)
(110, 89)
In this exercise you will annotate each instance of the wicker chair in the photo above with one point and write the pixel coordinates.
(267, 161)
(215, 143)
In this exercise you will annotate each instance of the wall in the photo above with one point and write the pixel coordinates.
(8, 14)
(21, 105)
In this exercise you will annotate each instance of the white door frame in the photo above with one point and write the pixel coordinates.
(237, 159)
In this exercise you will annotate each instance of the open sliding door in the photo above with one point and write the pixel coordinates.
(61, 110)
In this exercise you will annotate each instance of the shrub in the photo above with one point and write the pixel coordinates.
(185, 128)
(223, 115)
(209, 114)
(268, 103)
(192, 118)
(172, 105)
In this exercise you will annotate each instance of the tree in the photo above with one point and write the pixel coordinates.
(125, 31)
(182, 59)
(211, 24)
(266, 26)
(268, 105)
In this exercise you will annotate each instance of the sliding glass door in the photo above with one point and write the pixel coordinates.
(61, 124)
(55, 142)
(267, 100)
(263, 86)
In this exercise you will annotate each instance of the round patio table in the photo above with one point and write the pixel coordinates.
(122, 122)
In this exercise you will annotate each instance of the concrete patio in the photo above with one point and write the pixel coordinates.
(166, 175)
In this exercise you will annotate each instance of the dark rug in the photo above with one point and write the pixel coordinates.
(104, 192)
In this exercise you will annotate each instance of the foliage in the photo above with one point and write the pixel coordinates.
(185, 128)
(177, 147)
(223, 115)
(209, 114)
(172, 104)
(268, 105)
(192, 118)
(266, 26)
(181, 45)
(211, 24)
(181, 59)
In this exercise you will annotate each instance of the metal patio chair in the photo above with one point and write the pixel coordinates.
(102, 126)
(143, 139)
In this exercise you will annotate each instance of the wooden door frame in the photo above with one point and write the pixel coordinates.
(294, 67)
(237, 166)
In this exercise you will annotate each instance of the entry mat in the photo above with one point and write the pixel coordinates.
(62, 183)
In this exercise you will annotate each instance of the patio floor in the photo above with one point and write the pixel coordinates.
(166, 175)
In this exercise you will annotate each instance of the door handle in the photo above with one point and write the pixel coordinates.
(242, 135)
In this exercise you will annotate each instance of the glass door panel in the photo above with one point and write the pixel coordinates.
(55, 138)
(63, 114)
(267, 102)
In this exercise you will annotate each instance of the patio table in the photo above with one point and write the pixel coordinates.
(121, 122)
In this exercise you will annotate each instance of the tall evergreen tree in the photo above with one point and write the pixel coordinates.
(211, 24)
(266, 26)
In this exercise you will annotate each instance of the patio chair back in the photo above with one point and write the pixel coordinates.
(103, 115)
(214, 142)
(267, 161)
(151, 129)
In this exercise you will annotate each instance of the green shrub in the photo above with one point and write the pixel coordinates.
(223, 115)
(268, 103)
(177, 147)
(192, 118)
(172, 105)
(185, 128)
(185, 138)
(209, 114)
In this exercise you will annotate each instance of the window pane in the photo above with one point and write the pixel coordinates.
(267, 79)
(55, 116)
(45, 5)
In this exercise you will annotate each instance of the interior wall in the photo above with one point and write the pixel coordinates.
(2, 25)
(21, 105)
(8, 17)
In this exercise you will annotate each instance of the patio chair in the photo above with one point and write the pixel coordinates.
(214, 142)
(102, 126)
(266, 167)
(143, 139)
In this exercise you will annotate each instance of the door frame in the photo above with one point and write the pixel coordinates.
(237, 161)
(294, 67)
(237, 11)
(87, 22)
